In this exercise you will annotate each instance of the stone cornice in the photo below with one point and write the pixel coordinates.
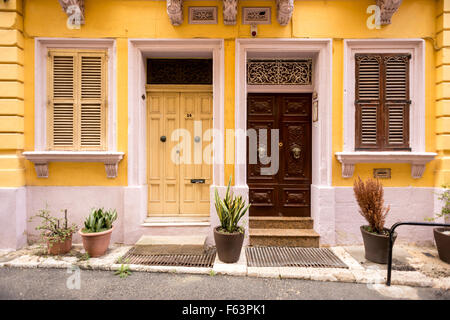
(41, 159)
(70, 7)
(418, 160)
(387, 10)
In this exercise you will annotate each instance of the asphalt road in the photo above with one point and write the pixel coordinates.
(52, 284)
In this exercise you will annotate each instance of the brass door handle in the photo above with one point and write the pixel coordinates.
(296, 152)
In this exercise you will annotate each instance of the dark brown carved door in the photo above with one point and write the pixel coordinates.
(286, 192)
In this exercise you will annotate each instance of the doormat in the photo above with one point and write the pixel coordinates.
(292, 257)
(135, 256)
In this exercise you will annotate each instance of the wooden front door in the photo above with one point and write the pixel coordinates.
(288, 191)
(177, 160)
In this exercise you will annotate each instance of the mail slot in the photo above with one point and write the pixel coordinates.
(197, 180)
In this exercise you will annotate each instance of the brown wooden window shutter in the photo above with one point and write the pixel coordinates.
(382, 102)
(77, 100)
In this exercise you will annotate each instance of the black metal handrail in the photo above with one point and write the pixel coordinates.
(391, 232)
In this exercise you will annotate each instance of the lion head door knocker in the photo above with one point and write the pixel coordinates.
(296, 151)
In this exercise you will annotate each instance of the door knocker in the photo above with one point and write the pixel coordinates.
(296, 152)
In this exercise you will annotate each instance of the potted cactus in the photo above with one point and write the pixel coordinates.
(57, 233)
(97, 230)
(369, 196)
(229, 236)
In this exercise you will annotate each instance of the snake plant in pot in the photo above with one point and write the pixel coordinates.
(370, 198)
(229, 236)
(97, 230)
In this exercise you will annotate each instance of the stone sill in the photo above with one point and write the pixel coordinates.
(41, 159)
(418, 160)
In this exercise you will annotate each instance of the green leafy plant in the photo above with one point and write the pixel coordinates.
(445, 197)
(370, 198)
(54, 229)
(123, 271)
(99, 220)
(84, 257)
(230, 210)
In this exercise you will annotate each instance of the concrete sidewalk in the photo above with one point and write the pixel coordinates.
(16, 283)
(413, 266)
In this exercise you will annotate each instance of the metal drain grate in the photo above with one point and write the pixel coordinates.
(180, 260)
(292, 257)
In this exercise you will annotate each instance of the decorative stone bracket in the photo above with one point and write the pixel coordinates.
(41, 159)
(387, 10)
(418, 160)
(285, 8)
(230, 9)
(175, 11)
(72, 7)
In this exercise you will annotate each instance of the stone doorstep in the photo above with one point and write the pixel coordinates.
(280, 223)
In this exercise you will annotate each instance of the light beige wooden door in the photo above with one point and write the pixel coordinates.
(186, 155)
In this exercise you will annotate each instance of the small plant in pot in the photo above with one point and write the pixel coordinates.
(57, 233)
(442, 235)
(229, 236)
(97, 230)
(369, 196)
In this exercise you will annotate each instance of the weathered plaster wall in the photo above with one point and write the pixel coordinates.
(406, 204)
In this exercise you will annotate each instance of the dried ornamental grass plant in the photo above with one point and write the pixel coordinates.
(369, 195)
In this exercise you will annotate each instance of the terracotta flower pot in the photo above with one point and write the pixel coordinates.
(96, 243)
(442, 243)
(228, 245)
(376, 246)
(56, 248)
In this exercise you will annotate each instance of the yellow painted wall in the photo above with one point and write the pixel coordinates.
(443, 93)
(12, 173)
(124, 19)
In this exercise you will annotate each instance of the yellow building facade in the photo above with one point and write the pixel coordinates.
(114, 157)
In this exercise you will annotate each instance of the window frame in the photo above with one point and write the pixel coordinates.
(383, 104)
(77, 100)
(42, 47)
(414, 47)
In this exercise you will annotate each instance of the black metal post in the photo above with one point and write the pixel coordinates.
(391, 245)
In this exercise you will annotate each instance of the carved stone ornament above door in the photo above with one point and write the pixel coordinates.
(285, 8)
(387, 10)
(230, 12)
(73, 7)
(175, 11)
